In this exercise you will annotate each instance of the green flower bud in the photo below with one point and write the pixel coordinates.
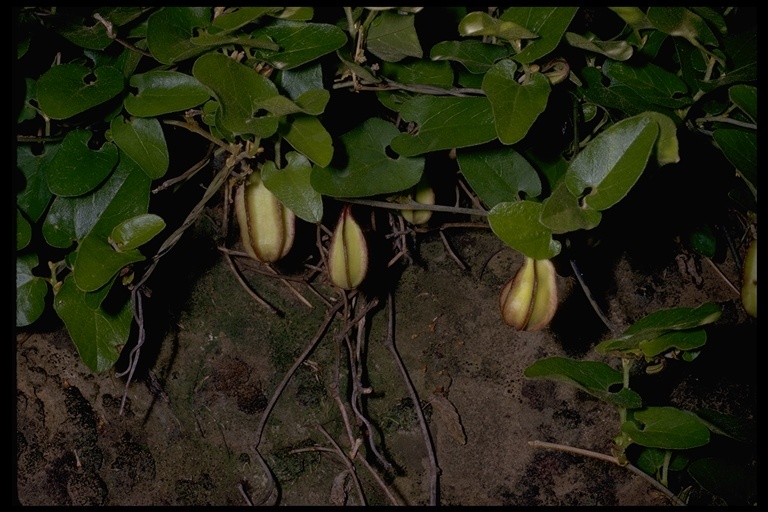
(267, 228)
(348, 255)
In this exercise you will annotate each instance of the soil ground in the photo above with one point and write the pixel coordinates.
(214, 358)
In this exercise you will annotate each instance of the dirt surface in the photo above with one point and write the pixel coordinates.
(214, 358)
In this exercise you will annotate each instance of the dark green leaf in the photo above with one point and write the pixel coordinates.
(291, 185)
(658, 323)
(594, 377)
(616, 50)
(651, 82)
(423, 72)
(239, 90)
(86, 33)
(681, 22)
(69, 89)
(745, 97)
(515, 107)
(740, 148)
(299, 42)
(738, 428)
(301, 80)
(33, 199)
(162, 92)
(614, 96)
(369, 170)
(143, 141)
(136, 231)
(97, 262)
(76, 169)
(476, 56)
(30, 93)
(23, 231)
(609, 166)
(562, 213)
(30, 290)
(499, 175)
(478, 23)
(171, 29)
(666, 427)
(392, 37)
(445, 123)
(96, 332)
(241, 16)
(651, 460)
(308, 136)
(676, 319)
(517, 225)
(548, 23)
(71, 219)
(675, 340)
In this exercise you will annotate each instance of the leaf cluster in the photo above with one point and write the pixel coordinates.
(117, 100)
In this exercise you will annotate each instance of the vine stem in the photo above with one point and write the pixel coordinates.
(434, 470)
(608, 458)
(413, 205)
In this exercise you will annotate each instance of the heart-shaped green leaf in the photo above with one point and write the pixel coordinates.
(604, 172)
(562, 213)
(161, 92)
(23, 231)
(69, 89)
(548, 23)
(515, 107)
(423, 72)
(34, 198)
(30, 290)
(124, 195)
(308, 136)
(238, 17)
(136, 231)
(517, 225)
(97, 262)
(369, 170)
(616, 50)
(740, 148)
(745, 97)
(691, 339)
(682, 22)
(594, 377)
(239, 90)
(499, 175)
(650, 81)
(292, 186)
(478, 23)
(171, 29)
(143, 141)
(444, 123)
(392, 37)
(76, 169)
(476, 56)
(659, 323)
(668, 428)
(298, 42)
(96, 332)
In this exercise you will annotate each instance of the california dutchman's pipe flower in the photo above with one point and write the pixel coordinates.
(422, 193)
(529, 300)
(348, 255)
(267, 228)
